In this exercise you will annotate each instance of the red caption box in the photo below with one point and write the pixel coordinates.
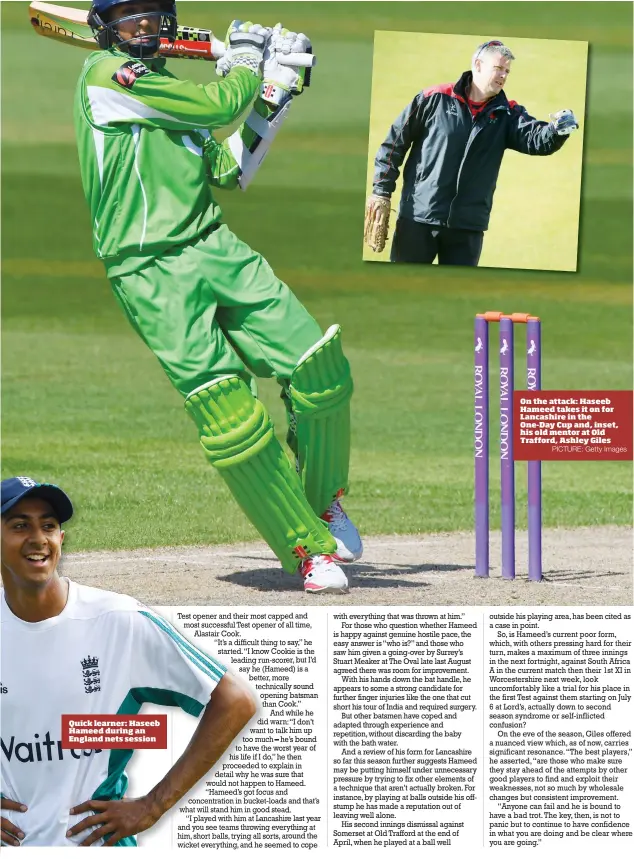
(572, 425)
(114, 732)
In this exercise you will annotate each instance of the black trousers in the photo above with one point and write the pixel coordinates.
(422, 243)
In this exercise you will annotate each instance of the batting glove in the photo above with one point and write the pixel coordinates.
(245, 44)
(564, 122)
(282, 82)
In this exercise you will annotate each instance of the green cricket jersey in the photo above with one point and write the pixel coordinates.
(147, 155)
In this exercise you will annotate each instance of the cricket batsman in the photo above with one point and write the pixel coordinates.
(208, 306)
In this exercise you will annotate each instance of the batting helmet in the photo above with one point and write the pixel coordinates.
(105, 16)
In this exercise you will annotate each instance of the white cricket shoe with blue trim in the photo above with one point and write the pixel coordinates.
(349, 545)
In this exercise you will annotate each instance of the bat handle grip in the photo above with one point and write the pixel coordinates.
(306, 61)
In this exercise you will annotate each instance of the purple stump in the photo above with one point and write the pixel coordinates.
(534, 383)
(507, 467)
(481, 444)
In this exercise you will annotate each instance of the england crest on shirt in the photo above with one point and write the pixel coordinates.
(92, 676)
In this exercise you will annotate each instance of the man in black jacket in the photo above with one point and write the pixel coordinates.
(456, 135)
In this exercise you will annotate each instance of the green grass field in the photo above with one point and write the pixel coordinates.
(84, 403)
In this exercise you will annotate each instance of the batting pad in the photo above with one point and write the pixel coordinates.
(237, 436)
(320, 390)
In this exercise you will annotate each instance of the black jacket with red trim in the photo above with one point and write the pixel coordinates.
(454, 160)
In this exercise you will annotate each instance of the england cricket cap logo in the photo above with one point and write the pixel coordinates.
(16, 488)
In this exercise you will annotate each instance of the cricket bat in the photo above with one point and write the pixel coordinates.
(70, 26)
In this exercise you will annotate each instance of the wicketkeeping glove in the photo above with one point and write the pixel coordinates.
(245, 44)
(282, 82)
(564, 122)
(377, 222)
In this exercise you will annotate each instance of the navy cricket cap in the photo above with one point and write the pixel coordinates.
(14, 489)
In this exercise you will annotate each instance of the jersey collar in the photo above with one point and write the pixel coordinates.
(461, 88)
(8, 617)
(156, 64)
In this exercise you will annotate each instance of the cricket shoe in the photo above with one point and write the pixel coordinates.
(323, 576)
(349, 545)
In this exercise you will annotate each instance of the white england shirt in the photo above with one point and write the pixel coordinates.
(105, 653)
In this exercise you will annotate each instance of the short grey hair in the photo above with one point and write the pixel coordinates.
(487, 50)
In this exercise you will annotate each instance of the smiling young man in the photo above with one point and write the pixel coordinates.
(456, 136)
(51, 629)
(208, 306)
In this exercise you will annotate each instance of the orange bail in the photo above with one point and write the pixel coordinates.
(496, 315)
(491, 315)
(523, 317)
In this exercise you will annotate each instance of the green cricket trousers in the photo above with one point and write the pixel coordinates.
(215, 308)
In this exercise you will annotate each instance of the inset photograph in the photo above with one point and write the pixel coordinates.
(83, 654)
(452, 120)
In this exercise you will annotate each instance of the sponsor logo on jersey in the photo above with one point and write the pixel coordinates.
(452, 109)
(127, 74)
(91, 674)
(40, 750)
